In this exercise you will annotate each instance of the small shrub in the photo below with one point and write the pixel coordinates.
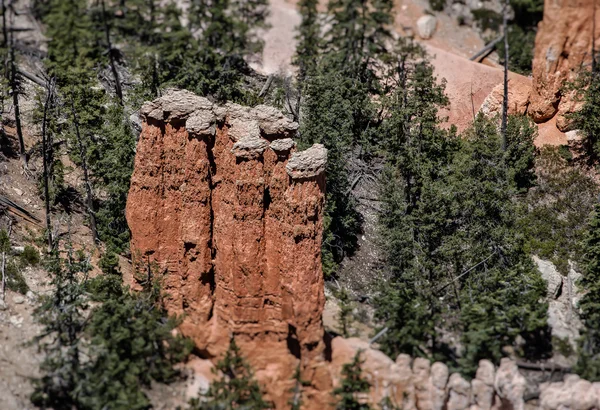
(487, 19)
(30, 256)
(15, 280)
(437, 5)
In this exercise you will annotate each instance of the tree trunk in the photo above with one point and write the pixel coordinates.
(594, 62)
(14, 86)
(4, 263)
(505, 100)
(88, 187)
(111, 57)
(45, 159)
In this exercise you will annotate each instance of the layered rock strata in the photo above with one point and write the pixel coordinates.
(230, 215)
(563, 47)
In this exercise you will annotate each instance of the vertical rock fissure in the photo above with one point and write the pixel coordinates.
(212, 169)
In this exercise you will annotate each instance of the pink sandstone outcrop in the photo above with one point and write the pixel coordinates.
(232, 217)
(563, 46)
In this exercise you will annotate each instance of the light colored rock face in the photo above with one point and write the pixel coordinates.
(308, 163)
(283, 145)
(563, 296)
(510, 384)
(426, 26)
(238, 240)
(563, 43)
(460, 393)
(250, 147)
(439, 379)
(571, 394)
(519, 90)
(482, 386)
(418, 385)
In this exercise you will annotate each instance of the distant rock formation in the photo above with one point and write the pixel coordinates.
(563, 46)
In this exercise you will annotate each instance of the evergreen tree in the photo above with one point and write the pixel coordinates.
(352, 383)
(131, 344)
(587, 118)
(588, 363)
(235, 389)
(112, 170)
(417, 154)
(62, 314)
(340, 111)
(309, 39)
(458, 251)
(558, 208)
(345, 313)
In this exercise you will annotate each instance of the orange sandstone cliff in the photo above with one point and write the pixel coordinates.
(232, 215)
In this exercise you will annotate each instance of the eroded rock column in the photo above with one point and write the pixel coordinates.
(231, 214)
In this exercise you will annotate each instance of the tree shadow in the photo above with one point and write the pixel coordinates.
(8, 145)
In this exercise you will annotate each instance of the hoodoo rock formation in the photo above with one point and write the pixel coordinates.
(231, 215)
(563, 46)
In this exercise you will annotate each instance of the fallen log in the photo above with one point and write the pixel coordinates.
(485, 51)
(18, 210)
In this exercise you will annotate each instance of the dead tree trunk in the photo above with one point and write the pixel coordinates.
(46, 157)
(5, 47)
(86, 179)
(14, 87)
(4, 262)
(111, 56)
(594, 62)
(505, 101)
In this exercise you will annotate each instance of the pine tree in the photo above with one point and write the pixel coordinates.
(309, 38)
(588, 363)
(586, 119)
(63, 318)
(352, 384)
(454, 249)
(236, 387)
(345, 313)
(112, 170)
(131, 344)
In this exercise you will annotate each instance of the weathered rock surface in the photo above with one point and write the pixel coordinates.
(563, 45)
(563, 296)
(572, 393)
(237, 239)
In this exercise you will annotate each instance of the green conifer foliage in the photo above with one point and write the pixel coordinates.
(131, 345)
(352, 384)
(99, 358)
(339, 109)
(63, 316)
(558, 208)
(588, 364)
(587, 118)
(236, 387)
(454, 253)
(309, 39)
(112, 170)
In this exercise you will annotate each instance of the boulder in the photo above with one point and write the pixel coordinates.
(426, 26)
